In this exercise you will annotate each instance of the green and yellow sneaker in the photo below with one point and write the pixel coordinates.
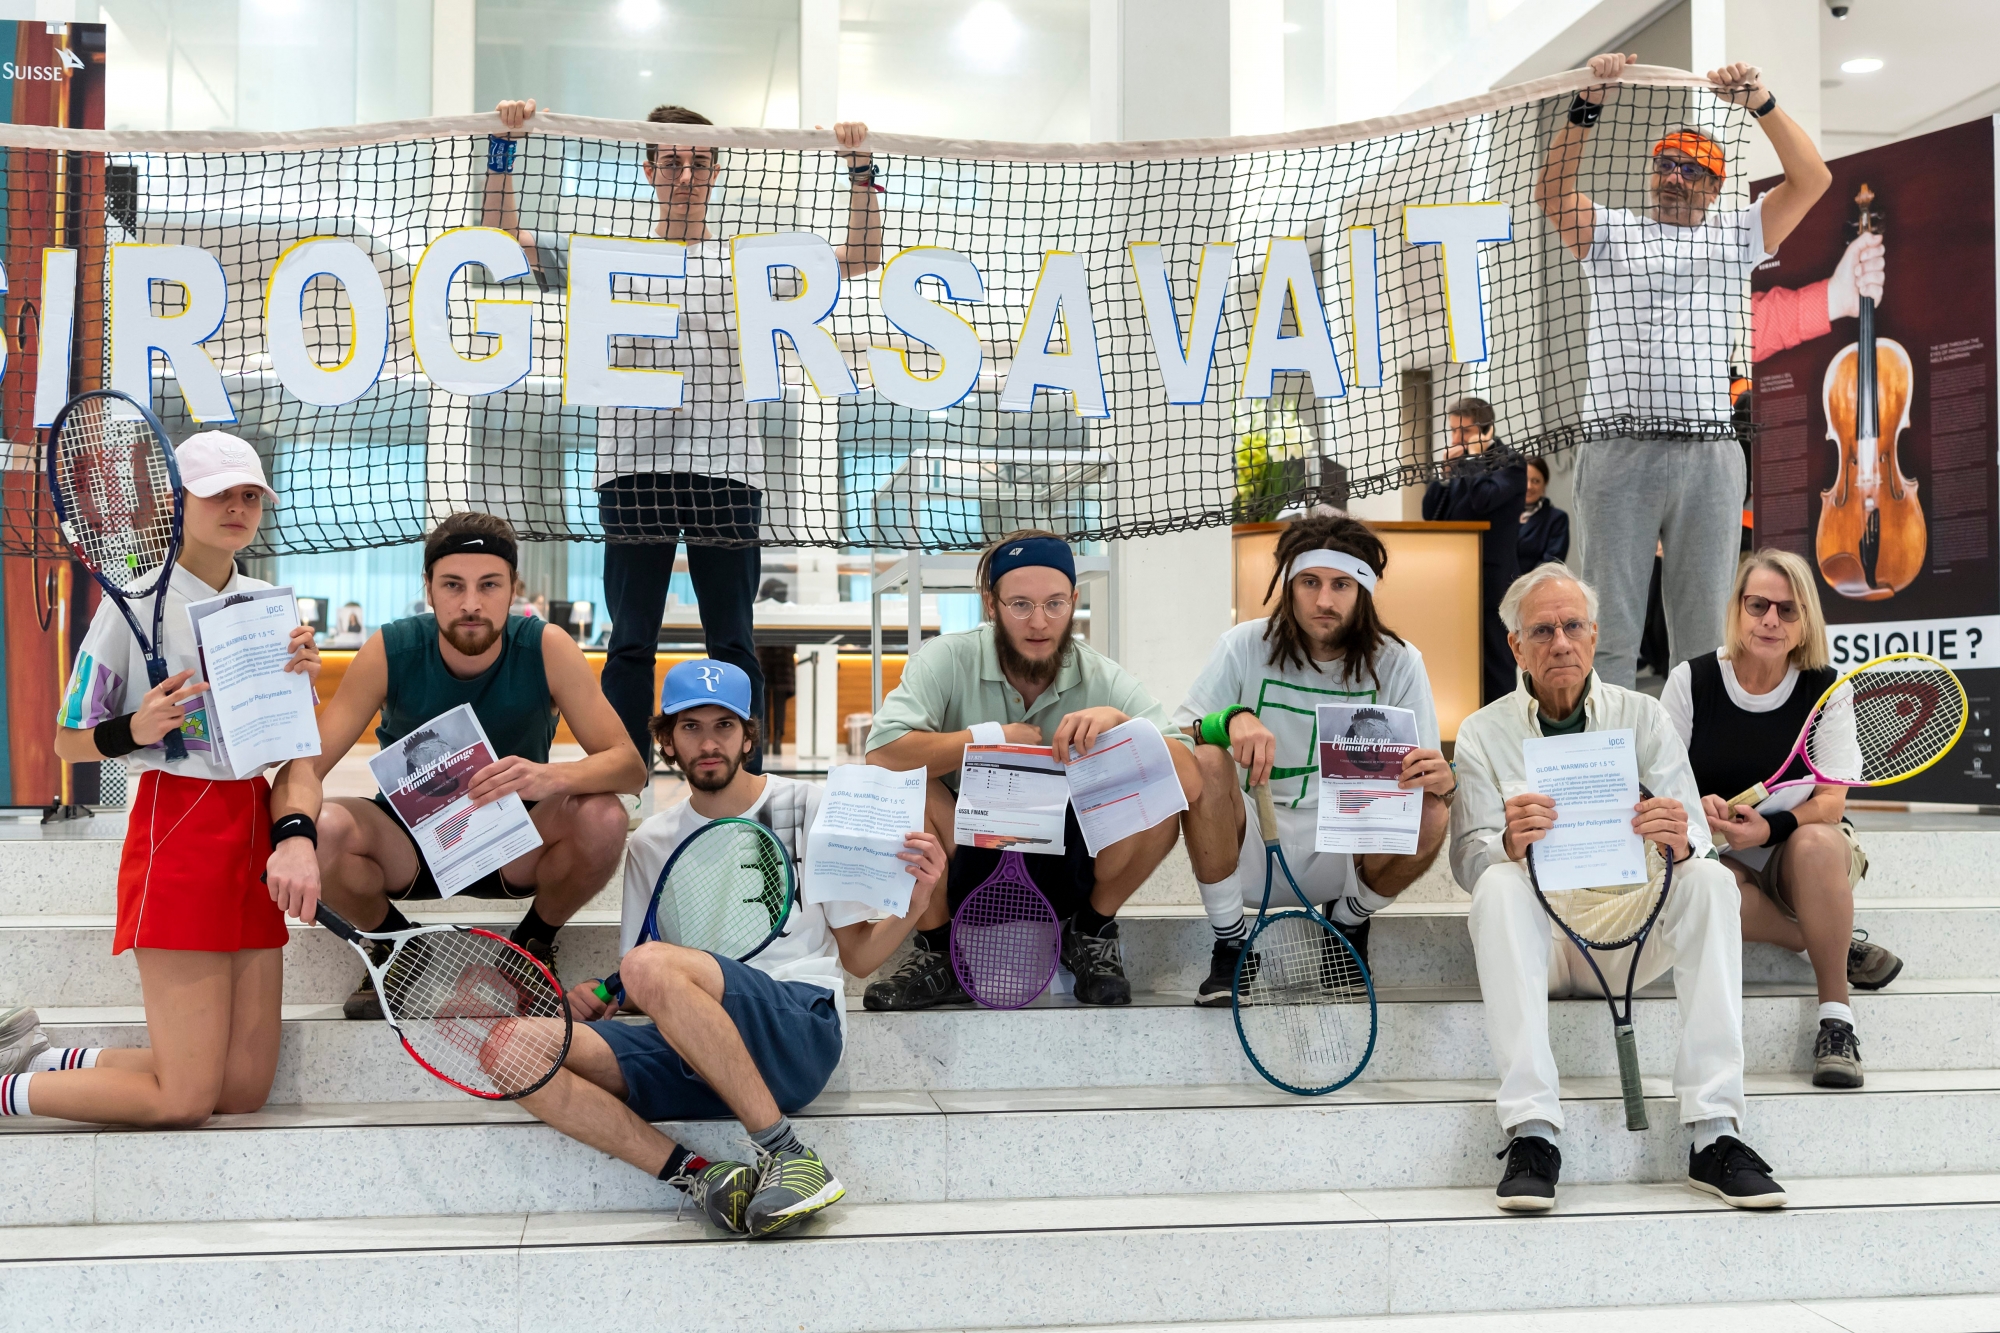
(790, 1186)
(722, 1191)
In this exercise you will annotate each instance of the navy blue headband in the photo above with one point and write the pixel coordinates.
(1044, 551)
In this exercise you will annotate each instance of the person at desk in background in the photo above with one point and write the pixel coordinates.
(1485, 482)
(1544, 528)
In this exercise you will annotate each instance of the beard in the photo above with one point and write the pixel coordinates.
(707, 782)
(1328, 642)
(1017, 665)
(468, 640)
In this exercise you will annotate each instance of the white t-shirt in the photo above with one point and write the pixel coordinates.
(1665, 305)
(109, 677)
(807, 950)
(1677, 698)
(1285, 697)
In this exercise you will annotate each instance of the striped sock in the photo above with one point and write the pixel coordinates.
(64, 1057)
(1236, 933)
(1357, 906)
(14, 1094)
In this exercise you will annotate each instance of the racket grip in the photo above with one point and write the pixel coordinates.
(610, 990)
(1754, 797)
(1267, 815)
(1628, 1078)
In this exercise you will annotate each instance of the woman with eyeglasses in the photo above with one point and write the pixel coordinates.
(1739, 710)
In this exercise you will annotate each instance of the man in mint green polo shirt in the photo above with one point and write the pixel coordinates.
(1021, 678)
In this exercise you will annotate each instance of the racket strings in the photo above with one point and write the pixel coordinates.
(1005, 939)
(727, 890)
(116, 490)
(476, 1009)
(1303, 1003)
(1886, 722)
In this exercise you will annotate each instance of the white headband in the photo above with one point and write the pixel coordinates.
(1322, 558)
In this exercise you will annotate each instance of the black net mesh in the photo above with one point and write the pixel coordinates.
(859, 470)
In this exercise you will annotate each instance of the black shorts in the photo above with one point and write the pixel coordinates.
(1065, 880)
(424, 887)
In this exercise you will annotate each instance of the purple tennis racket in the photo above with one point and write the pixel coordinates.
(1005, 938)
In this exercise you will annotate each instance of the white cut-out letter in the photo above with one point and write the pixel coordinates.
(762, 317)
(510, 322)
(1288, 280)
(915, 315)
(136, 332)
(1458, 230)
(596, 317)
(367, 321)
(1365, 273)
(54, 334)
(1184, 362)
(1062, 297)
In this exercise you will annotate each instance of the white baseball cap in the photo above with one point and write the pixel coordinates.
(212, 461)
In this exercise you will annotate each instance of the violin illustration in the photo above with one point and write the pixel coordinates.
(1871, 538)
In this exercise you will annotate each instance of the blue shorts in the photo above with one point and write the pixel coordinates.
(790, 1028)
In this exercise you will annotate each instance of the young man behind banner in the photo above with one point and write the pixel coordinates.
(517, 674)
(1021, 678)
(1252, 708)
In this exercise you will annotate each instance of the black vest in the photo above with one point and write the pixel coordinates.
(1733, 750)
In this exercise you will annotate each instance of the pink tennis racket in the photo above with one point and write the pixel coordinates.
(1005, 938)
(1888, 719)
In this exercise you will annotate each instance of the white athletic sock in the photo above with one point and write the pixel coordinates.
(14, 1094)
(64, 1057)
(1223, 902)
(1536, 1129)
(1706, 1132)
(1358, 906)
(1833, 1009)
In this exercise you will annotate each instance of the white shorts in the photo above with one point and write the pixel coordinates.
(1323, 876)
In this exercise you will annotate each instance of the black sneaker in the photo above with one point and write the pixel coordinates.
(1528, 1185)
(1356, 935)
(1870, 966)
(365, 1003)
(1093, 960)
(1215, 992)
(925, 979)
(1733, 1173)
(1836, 1055)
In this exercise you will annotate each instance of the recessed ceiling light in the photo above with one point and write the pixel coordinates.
(1863, 65)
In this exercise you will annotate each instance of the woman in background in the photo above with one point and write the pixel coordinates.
(1544, 528)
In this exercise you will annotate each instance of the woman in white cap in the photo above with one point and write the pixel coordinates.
(191, 901)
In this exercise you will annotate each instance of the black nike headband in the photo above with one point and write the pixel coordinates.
(470, 543)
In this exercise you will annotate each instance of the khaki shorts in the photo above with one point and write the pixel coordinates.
(1771, 879)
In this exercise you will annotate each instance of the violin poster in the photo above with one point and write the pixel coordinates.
(1875, 451)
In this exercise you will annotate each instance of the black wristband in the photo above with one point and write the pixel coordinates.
(1770, 105)
(1584, 112)
(113, 736)
(294, 826)
(1783, 825)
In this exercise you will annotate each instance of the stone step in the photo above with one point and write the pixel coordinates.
(429, 1158)
(1298, 1255)
(66, 961)
(1165, 1041)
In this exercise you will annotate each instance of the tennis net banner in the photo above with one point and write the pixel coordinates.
(618, 330)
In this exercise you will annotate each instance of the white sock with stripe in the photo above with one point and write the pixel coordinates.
(64, 1057)
(1222, 902)
(14, 1094)
(1356, 907)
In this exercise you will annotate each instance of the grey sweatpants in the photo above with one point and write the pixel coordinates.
(1687, 495)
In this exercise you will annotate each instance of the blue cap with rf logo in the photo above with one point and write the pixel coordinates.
(706, 681)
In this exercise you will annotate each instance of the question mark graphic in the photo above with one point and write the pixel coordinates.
(1976, 634)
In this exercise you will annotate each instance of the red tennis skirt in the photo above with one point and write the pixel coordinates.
(192, 873)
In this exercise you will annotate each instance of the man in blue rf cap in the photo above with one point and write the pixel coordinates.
(1021, 678)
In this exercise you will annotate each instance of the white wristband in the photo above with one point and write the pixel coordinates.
(988, 733)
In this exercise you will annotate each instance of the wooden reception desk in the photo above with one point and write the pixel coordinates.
(1429, 596)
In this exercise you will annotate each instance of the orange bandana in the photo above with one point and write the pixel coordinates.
(1704, 150)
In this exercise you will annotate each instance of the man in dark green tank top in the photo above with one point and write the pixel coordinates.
(358, 856)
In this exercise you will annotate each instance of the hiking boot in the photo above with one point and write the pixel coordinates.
(1870, 966)
(1836, 1055)
(1093, 960)
(924, 980)
(365, 1002)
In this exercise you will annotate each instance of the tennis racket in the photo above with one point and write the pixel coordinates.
(1604, 919)
(471, 1007)
(118, 502)
(1005, 938)
(1888, 719)
(1303, 1000)
(728, 889)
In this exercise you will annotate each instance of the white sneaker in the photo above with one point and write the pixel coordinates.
(21, 1038)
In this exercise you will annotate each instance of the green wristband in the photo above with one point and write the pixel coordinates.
(1215, 726)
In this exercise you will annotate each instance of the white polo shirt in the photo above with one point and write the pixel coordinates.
(1666, 307)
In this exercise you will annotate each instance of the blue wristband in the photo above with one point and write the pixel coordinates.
(499, 154)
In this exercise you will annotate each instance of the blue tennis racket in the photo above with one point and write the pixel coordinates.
(118, 501)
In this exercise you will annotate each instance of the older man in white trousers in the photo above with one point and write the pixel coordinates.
(1551, 620)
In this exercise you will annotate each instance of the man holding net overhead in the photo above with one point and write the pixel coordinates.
(1666, 294)
(693, 473)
